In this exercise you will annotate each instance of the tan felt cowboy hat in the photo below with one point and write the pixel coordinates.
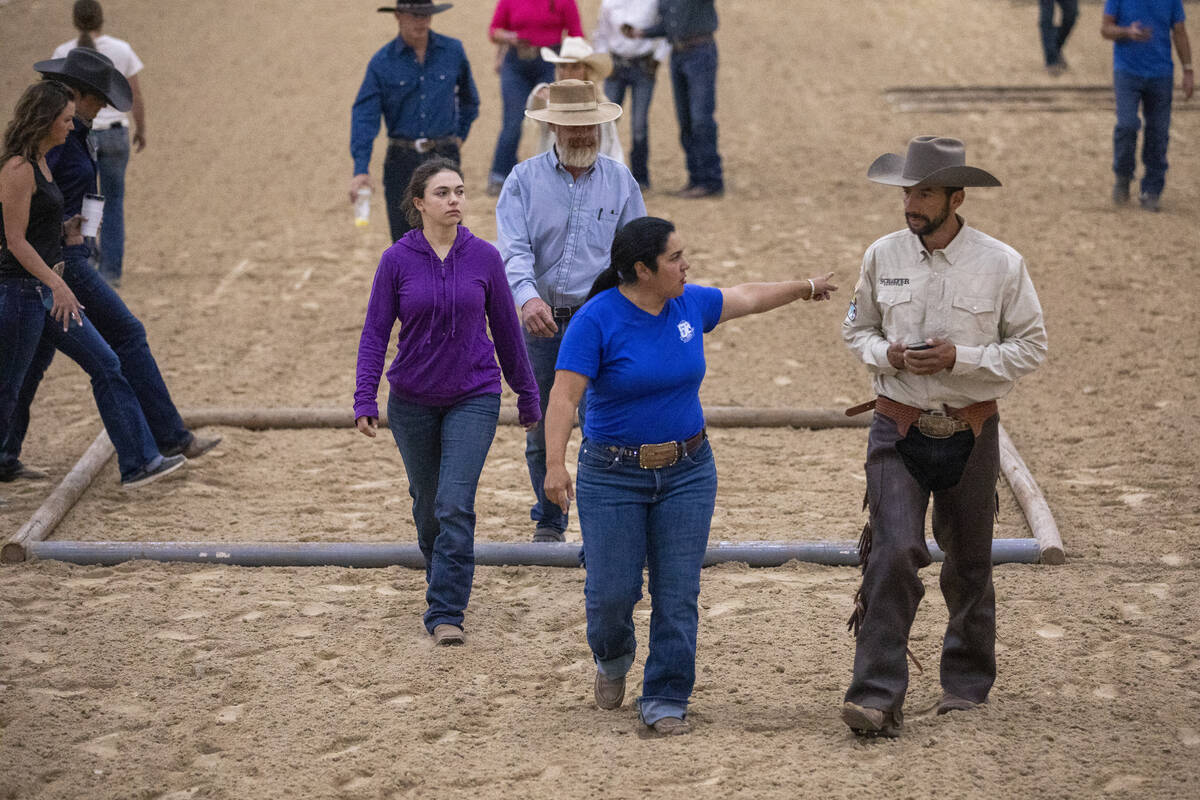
(576, 50)
(94, 70)
(930, 161)
(574, 103)
(422, 7)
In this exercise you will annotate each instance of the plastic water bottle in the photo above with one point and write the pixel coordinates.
(362, 207)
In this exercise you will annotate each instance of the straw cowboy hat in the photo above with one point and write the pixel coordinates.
(576, 50)
(422, 7)
(95, 71)
(574, 103)
(930, 161)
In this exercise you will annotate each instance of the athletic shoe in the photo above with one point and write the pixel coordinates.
(20, 472)
(145, 475)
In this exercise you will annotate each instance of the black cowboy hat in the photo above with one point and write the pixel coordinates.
(94, 70)
(425, 7)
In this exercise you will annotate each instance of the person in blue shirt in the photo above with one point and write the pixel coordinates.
(555, 218)
(1144, 74)
(647, 482)
(421, 84)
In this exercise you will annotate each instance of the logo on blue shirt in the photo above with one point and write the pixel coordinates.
(686, 331)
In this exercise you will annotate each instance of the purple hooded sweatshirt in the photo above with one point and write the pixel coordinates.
(444, 308)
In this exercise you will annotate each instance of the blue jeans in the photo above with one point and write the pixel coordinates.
(639, 80)
(1154, 96)
(123, 335)
(398, 167)
(517, 79)
(694, 84)
(112, 156)
(543, 355)
(443, 451)
(22, 317)
(658, 518)
(1055, 36)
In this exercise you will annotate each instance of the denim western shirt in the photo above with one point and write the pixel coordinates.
(73, 165)
(556, 232)
(432, 100)
(682, 19)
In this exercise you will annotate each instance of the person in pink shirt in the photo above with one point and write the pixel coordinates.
(522, 28)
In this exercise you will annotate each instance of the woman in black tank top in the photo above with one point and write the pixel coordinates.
(31, 233)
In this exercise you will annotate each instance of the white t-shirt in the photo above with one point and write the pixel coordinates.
(126, 62)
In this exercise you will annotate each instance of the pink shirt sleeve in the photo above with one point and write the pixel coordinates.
(499, 18)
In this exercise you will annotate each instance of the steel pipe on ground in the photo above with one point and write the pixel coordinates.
(356, 554)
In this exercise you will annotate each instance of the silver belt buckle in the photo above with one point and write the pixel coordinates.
(423, 145)
(938, 426)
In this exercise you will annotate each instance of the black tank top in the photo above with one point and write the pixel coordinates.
(44, 230)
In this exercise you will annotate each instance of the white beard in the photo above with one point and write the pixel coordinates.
(578, 157)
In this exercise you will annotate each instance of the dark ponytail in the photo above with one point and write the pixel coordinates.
(87, 17)
(642, 240)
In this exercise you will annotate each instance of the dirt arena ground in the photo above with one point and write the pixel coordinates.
(176, 681)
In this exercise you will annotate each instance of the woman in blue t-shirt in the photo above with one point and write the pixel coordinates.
(637, 347)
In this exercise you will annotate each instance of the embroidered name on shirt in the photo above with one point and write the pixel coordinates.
(686, 331)
(893, 281)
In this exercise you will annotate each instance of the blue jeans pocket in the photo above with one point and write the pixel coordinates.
(48, 303)
(595, 456)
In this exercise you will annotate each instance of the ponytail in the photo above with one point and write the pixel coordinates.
(642, 240)
(87, 16)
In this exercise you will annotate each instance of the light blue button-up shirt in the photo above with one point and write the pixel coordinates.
(556, 232)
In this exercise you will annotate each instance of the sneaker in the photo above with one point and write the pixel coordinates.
(1120, 192)
(1148, 201)
(952, 702)
(145, 475)
(670, 726)
(194, 448)
(447, 635)
(20, 472)
(871, 722)
(542, 534)
(610, 692)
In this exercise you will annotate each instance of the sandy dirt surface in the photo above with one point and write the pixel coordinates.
(176, 681)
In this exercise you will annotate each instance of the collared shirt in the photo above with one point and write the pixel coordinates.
(607, 36)
(429, 100)
(682, 19)
(976, 292)
(556, 232)
(539, 22)
(73, 165)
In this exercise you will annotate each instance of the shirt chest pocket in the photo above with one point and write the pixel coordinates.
(974, 319)
(602, 229)
(901, 316)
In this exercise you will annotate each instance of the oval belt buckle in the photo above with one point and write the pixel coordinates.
(937, 426)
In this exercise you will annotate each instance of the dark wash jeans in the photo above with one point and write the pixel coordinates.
(657, 518)
(120, 334)
(963, 519)
(1055, 36)
(694, 84)
(517, 79)
(112, 156)
(1154, 97)
(398, 166)
(634, 77)
(444, 449)
(22, 317)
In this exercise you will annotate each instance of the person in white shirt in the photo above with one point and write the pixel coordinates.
(634, 68)
(110, 132)
(576, 60)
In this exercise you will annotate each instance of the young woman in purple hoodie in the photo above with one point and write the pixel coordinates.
(446, 288)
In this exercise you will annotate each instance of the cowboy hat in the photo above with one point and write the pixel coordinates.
(421, 7)
(95, 71)
(930, 161)
(574, 103)
(576, 50)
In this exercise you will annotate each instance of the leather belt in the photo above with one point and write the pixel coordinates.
(564, 312)
(690, 42)
(657, 456)
(421, 145)
(936, 424)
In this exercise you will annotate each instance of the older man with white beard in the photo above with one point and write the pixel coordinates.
(556, 216)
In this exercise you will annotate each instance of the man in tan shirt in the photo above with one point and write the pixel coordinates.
(946, 319)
